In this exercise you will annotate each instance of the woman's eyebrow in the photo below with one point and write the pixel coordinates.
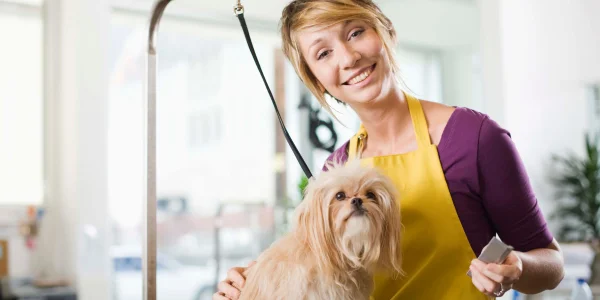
(318, 40)
(315, 42)
(347, 22)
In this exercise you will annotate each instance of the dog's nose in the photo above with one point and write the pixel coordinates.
(357, 202)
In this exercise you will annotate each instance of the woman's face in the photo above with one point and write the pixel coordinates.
(349, 61)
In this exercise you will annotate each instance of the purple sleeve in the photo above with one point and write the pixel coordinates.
(506, 191)
(340, 155)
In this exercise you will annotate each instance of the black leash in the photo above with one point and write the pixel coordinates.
(239, 12)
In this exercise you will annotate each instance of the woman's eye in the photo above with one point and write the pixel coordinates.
(370, 195)
(357, 33)
(323, 54)
(340, 196)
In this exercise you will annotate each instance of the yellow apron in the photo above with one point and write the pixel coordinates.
(436, 251)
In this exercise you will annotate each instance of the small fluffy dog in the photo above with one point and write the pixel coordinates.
(347, 227)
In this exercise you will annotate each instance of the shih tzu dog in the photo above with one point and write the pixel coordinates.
(347, 228)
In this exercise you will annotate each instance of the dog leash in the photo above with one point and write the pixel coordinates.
(238, 9)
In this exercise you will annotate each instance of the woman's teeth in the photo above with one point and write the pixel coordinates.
(362, 76)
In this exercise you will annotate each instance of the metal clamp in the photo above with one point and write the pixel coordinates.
(238, 8)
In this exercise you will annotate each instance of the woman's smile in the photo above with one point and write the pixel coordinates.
(361, 78)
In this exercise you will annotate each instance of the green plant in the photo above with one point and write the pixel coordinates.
(578, 194)
(302, 185)
(578, 200)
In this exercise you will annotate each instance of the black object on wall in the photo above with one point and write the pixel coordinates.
(315, 121)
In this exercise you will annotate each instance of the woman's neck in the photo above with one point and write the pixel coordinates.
(386, 120)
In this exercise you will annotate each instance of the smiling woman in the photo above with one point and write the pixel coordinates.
(460, 178)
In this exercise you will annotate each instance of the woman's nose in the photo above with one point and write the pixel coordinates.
(349, 57)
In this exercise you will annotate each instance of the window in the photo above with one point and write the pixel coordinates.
(421, 71)
(21, 103)
(204, 129)
(215, 147)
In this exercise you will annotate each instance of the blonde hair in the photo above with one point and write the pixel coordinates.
(302, 14)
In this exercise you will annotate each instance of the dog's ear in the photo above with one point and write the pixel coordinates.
(314, 226)
(391, 242)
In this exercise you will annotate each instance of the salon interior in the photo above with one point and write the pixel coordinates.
(75, 219)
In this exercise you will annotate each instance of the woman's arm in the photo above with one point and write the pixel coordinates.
(504, 187)
(542, 269)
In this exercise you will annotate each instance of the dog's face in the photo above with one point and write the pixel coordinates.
(351, 217)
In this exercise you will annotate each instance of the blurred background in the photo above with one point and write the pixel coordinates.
(72, 85)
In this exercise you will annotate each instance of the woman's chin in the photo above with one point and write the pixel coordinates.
(368, 96)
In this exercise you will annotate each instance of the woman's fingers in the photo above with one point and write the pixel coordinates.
(477, 284)
(229, 291)
(234, 275)
(482, 282)
(501, 274)
(504, 273)
(230, 288)
(219, 296)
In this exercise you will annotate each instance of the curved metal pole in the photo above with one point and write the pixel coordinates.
(149, 252)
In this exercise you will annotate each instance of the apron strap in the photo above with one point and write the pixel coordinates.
(356, 144)
(419, 121)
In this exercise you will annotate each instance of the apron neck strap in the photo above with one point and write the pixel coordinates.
(356, 144)
(419, 121)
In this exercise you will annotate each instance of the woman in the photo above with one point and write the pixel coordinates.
(459, 175)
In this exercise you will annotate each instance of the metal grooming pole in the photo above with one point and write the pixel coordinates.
(149, 257)
(149, 253)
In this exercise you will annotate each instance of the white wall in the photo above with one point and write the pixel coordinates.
(538, 57)
(461, 84)
(21, 113)
(434, 24)
(74, 235)
(21, 128)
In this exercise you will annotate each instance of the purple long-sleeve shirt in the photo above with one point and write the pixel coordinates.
(488, 183)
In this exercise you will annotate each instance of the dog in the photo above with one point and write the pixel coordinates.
(347, 227)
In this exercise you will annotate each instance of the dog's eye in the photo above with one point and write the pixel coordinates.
(340, 196)
(370, 195)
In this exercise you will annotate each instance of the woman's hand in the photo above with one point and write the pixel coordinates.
(493, 279)
(231, 287)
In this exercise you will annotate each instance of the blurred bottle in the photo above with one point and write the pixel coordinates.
(581, 291)
(29, 226)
